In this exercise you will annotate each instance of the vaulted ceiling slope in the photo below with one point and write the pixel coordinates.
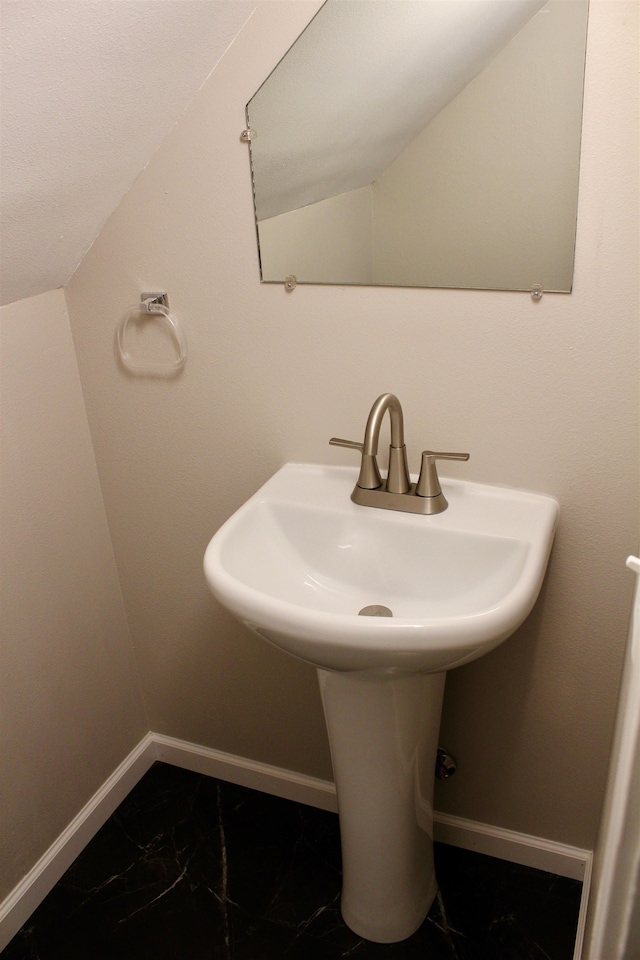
(90, 88)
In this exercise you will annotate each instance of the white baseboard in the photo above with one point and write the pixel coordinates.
(534, 852)
(531, 851)
(247, 773)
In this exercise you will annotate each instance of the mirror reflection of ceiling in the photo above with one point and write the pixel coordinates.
(341, 199)
(391, 69)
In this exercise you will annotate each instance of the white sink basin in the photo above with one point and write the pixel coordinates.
(299, 561)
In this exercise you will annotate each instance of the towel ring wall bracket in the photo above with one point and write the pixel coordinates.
(152, 304)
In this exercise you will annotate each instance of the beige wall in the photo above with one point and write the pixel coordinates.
(71, 705)
(544, 395)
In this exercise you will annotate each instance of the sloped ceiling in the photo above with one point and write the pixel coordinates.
(90, 88)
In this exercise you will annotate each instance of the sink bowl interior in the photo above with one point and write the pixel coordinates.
(334, 562)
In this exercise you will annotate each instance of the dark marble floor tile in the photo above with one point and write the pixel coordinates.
(190, 868)
(507, 910)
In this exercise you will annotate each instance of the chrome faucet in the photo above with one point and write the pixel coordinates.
(397, 492)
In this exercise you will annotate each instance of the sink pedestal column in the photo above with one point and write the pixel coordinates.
(383, 732)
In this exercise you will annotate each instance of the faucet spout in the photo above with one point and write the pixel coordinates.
(398, 476)
(387, 401)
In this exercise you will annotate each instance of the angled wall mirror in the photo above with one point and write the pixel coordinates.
(428, 143)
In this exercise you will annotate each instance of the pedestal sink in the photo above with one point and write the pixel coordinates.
(299, 562)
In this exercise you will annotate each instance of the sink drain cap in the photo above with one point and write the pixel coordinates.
(375, 610)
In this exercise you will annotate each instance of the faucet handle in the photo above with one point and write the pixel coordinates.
(338, 442)
(428, 484)
(369, 478)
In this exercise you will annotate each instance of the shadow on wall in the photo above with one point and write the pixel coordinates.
(491, 688)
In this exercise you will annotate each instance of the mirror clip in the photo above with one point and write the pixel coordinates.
(248, 135)
(536, 291)
(290, 283)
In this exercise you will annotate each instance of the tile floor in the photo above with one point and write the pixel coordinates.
(192, 868)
